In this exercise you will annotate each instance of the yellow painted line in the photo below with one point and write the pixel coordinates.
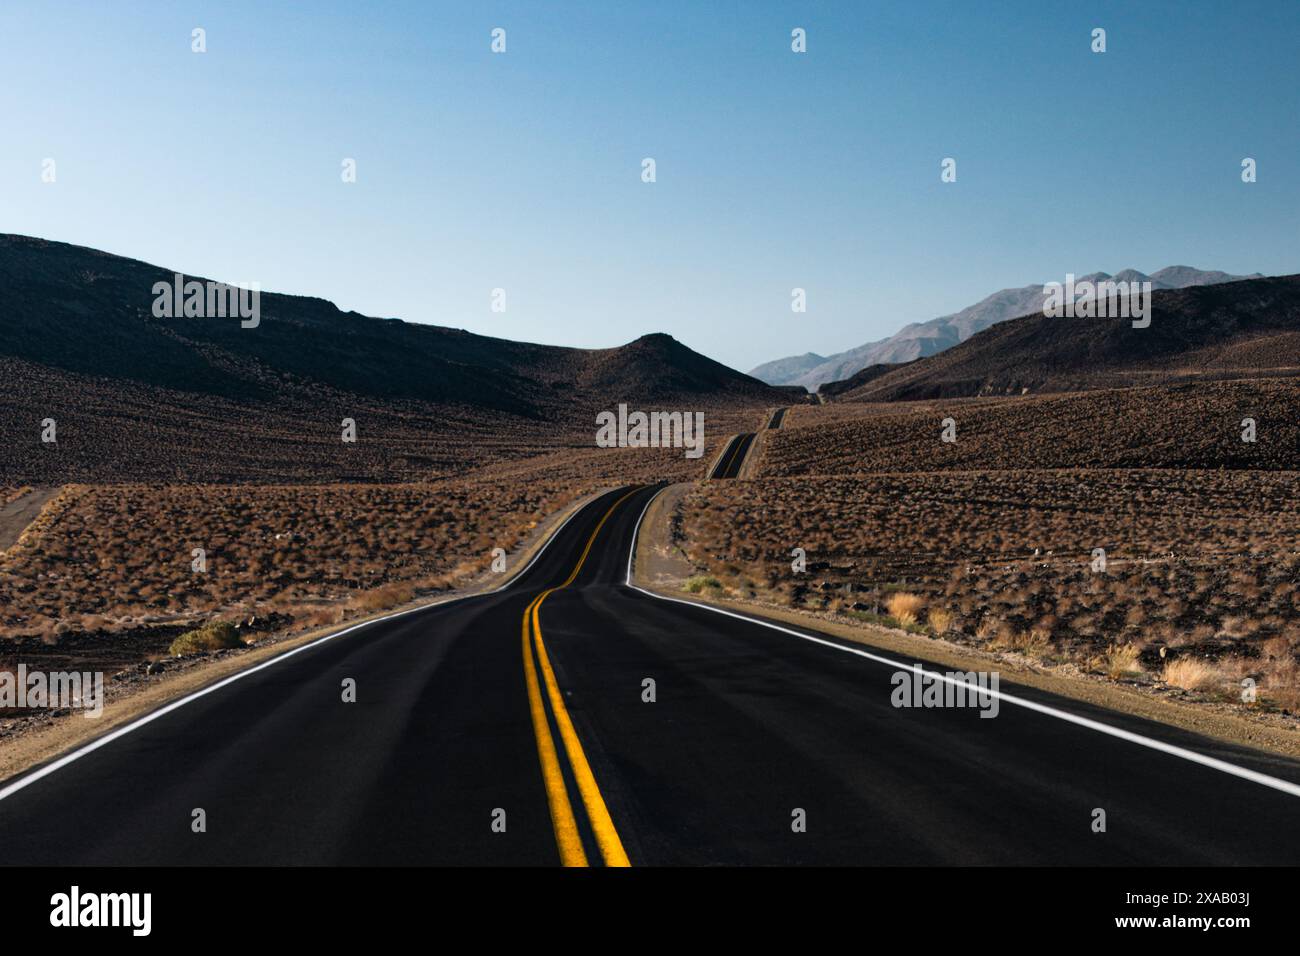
(727, 459)
(590, 541)
(567, 837)
(738, 461)
(566, 827)
(611, 847)
(735, 450)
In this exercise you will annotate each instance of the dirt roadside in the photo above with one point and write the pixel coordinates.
(661, 566)
(20, 512)
(30, 744)
(749, 468)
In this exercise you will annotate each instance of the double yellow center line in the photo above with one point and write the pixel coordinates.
(567, 836)
(721, 470)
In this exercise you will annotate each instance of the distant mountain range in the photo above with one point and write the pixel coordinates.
(921, 339)
(1240, 330)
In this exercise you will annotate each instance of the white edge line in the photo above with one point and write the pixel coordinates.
(1285, 786)
(153, 715)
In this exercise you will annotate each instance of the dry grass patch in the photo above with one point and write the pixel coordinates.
(702, 582)
(940, 621)
(904, 607)
(381, 599)
(1122, 660)
(1190, 673)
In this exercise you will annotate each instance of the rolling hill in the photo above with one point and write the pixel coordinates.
(137, 396)
(1243, 329)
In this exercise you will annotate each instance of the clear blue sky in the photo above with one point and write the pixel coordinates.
(775, 170)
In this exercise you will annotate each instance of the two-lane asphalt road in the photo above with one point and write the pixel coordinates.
(605, 725)
(733, 456)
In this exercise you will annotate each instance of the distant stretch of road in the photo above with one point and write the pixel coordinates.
(733, 456)
(571, 718)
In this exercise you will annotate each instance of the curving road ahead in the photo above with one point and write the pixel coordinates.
(531, 706)
(733, 456)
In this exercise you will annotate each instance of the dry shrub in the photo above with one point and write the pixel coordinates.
(940, 621)
(904, 607)
(1277, 649)
(380, 599)
(1004, 638)
(1281, 673)
(324, 616)
(212, 636)
(702, 582)
(1190, 673)
(1122, 659)
(1235, 626)
(1033, 643)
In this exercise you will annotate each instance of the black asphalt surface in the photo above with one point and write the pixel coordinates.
(733, 456)
(748, 727)
(778, 417)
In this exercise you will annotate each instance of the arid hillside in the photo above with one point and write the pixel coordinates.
(1190, 425)
(138, 397)
(1233, 330)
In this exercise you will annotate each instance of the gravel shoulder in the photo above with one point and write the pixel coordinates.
(17, 514)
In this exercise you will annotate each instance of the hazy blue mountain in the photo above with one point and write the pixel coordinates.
(786, 370)
(928, 338)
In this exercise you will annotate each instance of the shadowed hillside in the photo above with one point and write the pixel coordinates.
(1246, 329)
(136, 396)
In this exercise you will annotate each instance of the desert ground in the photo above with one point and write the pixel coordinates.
(994, 542)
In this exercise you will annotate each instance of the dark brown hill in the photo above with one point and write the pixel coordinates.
(1247, 329)
(87, 311)
(137, 396)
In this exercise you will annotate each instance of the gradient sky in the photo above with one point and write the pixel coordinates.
(775, 170)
